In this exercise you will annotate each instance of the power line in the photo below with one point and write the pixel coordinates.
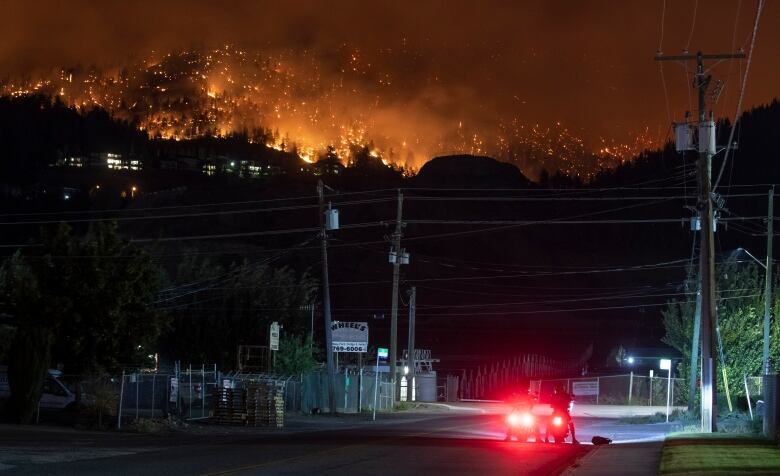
(197, 205)
(549, 311)
(742, 92)
(188, 215)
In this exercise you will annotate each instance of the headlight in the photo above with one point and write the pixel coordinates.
(528, 419)
(513, 419)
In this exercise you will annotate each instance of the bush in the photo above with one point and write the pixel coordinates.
(99, 404)
(739, 422)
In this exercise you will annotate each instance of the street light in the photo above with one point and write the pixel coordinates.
(743, 250)
(630, 360)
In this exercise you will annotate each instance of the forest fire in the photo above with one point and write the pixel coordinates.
(293, 101)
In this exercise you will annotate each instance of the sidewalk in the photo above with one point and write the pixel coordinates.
(632, 459)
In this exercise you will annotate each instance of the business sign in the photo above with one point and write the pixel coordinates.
(174, 390)
(585, 388)
(349, 336)
(274, 339)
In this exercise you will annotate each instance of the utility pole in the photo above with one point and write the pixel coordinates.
(410, 396)
(706, 148)
(326, 302)
(768, 282)
(395, 255)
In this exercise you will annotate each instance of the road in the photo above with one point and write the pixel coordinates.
(445, 443)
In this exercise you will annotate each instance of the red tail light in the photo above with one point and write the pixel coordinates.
(557, 421)
(513, 419)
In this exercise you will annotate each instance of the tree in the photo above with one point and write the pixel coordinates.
(216, 308)
(740, 314)
(295, 356)
(86, 303)
(28, 362)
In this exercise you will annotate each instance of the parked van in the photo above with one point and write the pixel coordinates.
(55, 395)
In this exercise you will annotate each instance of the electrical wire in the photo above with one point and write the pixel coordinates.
(190, 215)
(693, 25)
(741, 94)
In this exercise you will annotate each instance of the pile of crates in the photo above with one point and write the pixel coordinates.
(257, 404)
(229, 406)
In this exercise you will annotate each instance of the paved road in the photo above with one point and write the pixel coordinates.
(463, 444)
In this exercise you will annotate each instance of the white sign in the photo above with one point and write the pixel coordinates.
(274, 344)
(349, 336)
(666, 364)
(174, 391)
(585, 388)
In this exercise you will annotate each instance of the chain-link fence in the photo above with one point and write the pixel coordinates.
(354, 391)
(629, 389)
(185, 393)
(290, 387)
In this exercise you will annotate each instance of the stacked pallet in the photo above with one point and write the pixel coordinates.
(279, 407)
(230, 406)
(256, 403)
(259, 404)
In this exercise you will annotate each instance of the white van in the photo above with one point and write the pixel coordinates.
(55, 395)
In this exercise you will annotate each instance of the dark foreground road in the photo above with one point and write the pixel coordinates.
(418, 444)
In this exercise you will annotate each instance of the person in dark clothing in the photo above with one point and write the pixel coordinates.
(560, 403)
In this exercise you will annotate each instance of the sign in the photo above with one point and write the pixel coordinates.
(174, 390)
(382, 353)
(666, 364)
(349, 336)
(585, 388)
(274, 336)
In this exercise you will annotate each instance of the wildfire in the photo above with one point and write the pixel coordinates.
(288, 103)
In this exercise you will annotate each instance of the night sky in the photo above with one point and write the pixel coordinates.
(453, 64)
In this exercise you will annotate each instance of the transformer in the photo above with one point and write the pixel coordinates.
(707, 137)
(683, 137)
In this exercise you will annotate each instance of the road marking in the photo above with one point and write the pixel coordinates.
(333, 450)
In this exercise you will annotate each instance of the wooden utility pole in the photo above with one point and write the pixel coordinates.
(397, 252)
(326, 302)
(770, 218)
(706, 148)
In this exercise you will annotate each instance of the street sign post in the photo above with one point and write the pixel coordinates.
(381, 353)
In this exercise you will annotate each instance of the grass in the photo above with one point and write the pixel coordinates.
(682, 416)
(719, 453)
(736, 422)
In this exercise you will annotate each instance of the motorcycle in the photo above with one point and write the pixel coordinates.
(520, 424)
(558, 427)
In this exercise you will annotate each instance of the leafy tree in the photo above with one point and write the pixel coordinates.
(86, 303)
(216, 308)
(740, 315)
(295, 356)
(27, 365)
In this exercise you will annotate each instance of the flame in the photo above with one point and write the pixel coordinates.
(296, 108)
